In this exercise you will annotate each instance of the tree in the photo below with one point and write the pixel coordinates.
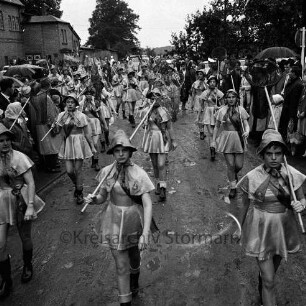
(239, 29)
(43, 7)
(113, 25)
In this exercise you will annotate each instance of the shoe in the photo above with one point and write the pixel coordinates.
(232, 193)
(27, 272)
(6, 283)
(157, 190)
(133, 121)
(75, 194)
(130, 119)
(134, 284)
(163, 195)
(123, 115)
(97, 167)
(202, 135)
(80, 198)
(212, 153)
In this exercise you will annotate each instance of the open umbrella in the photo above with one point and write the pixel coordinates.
(275, 52)
(25, 70)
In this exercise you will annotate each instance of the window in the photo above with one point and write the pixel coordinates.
(17, 24)
(1, 21)
(10, 22)
(65, 36)
(13, 23)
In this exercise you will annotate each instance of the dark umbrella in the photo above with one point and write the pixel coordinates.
(17, 83)
(25, 70)
(275, 52)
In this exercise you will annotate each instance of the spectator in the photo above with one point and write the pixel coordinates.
(7, 91)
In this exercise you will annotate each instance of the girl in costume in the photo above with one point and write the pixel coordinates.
(124, 223)
(18, 206)
(77, 144)
(269, 228)
(132, 95)
(158, 141)
(95, 118)
(197, 89)
(231, 119)
(210, 101)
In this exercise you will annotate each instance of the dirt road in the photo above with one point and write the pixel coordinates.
(71, 269)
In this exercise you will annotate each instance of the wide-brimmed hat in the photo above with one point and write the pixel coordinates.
(4, 130)
(120, 139)
(73, 96)
(269, 136)
(212, 77)
(200, 70)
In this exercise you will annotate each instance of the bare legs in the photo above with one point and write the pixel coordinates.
(159, 167)
(74, 171)
(268, 269)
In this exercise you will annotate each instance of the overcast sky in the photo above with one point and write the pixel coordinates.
(157, 18)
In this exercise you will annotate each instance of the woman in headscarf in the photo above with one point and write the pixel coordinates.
(125, 221)
(232, 120)
(18, 206)
(269, 228)
(77, 144)
(158, 141)
(23, 141)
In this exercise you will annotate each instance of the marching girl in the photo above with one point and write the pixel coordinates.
(18, 206)
(158, 141)
(118, 85)
(197, 89)
(125, 221)
(95, 118)
(231, 119)
(132, 95)
(77, 144)
(269, 228)
(210, 101)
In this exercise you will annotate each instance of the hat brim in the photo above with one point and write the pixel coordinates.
(75, 100)
(111, 150)
(262, 147)
(9, 134)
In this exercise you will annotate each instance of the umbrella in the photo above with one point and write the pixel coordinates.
(17, 83)
(275, 52)
(25, 70)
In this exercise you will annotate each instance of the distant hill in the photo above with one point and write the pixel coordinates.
(162, 50)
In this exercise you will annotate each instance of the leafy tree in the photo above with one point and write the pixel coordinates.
(113, 25)
(238, 28)
(42, 7)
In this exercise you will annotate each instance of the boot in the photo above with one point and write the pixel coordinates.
(106, 133)
(123, 114)
(79, 198)
(75, 194)
(6, 283)
(163, 194)
(27, 272)
(133, 121)
(202, 136)
(157, 190)
(233, 189)
(212, 153)
(134, 283)
(92, 162)
(97, 167)
(117, 109)
(102, 146)
(260, 288)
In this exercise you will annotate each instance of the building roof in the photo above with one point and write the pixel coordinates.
(51, 19)
(13, 2)
(46, 19)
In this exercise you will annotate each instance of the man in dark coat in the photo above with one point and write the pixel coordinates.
(292, 94)
(7, 90)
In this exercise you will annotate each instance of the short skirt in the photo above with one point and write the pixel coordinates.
(75, 146)
(196, 105)
(267, 234)
(8, 204)
(209, 116)
(153, 142)
(95, 126)
(229, 142)
(119, 227)
(132, 95)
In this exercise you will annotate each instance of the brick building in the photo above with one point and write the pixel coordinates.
(11, 36)
(53, 38)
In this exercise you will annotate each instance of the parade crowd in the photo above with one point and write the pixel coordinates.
(66, 117)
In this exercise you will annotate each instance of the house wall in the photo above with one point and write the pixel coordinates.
(11, 39)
